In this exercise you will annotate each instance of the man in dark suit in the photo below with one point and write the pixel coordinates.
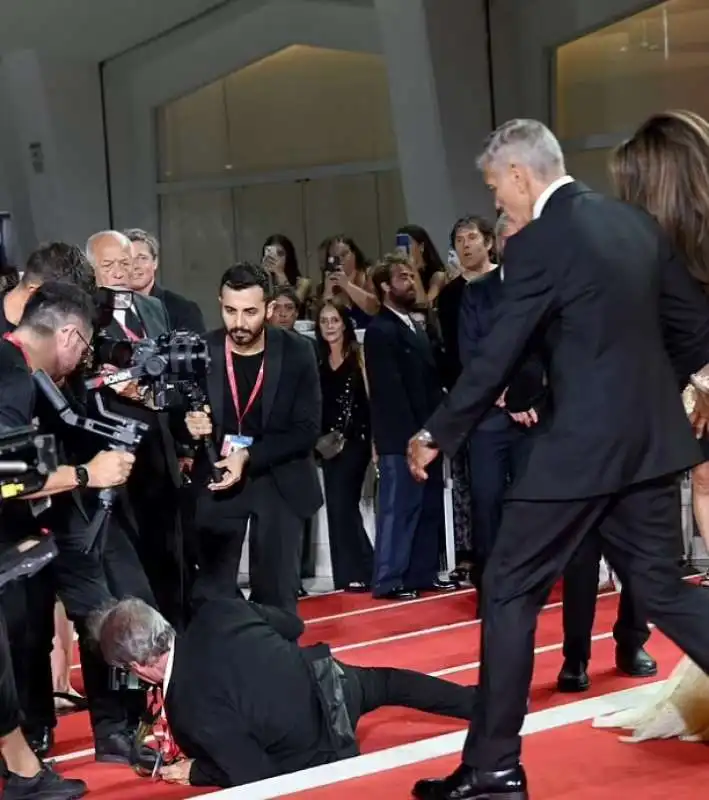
(264, 396)
(404, 388)
(184, 314)
(597, 283)
(245, 702)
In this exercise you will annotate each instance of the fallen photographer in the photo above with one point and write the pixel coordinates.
(244, 702)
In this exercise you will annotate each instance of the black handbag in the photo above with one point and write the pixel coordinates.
(332, 444)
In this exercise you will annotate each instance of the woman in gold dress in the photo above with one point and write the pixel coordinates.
(665, 169)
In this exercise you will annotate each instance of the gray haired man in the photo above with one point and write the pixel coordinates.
(594, 283)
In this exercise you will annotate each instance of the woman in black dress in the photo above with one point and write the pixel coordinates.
(346, 412)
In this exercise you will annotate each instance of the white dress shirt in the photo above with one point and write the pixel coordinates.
(168, 670)
(543, 198)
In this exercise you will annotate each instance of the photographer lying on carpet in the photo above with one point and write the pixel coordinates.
(245, 702)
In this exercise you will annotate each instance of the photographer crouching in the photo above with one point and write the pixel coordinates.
(244, 702)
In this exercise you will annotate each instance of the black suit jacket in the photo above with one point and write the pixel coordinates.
(404, 383)
(292, 410)
(598, 283)
(183, 314)
(241, 699)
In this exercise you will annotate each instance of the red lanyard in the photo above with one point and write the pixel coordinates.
(167, 746)
(129, 333)
(10, 337)
(235, 391)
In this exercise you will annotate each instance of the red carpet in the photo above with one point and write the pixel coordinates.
(441, 634)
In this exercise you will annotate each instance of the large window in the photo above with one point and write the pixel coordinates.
(609, 81)
(299, 143)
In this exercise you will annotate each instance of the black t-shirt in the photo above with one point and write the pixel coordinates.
(246, 370)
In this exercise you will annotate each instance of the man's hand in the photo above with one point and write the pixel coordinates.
(233, 467)
(178, 773)
(128, 389)
(420, 455)
(501, 400)
(199, 423)
(526, 418)
(110, 468)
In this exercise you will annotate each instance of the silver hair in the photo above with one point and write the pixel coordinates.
(121, 238)
(131, 632)
(139, 235)
(525, 142)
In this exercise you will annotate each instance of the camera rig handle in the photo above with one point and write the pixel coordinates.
(197, 401)
(122, 433)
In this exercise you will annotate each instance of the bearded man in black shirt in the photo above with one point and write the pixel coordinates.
(264, 396)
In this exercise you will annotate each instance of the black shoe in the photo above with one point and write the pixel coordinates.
(444, 586)
(399, 594)
(469, 784)
(635, 663)
(40, 740)
(357, 587)
(46, 785)
(302, 592)
(119, 748)
(573, 678)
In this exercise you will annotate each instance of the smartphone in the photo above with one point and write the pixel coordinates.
(333, 264)
(403, 244)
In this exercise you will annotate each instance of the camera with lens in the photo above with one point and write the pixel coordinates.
(121, 679)
(169, 365)
(26, 460)
(332, 264)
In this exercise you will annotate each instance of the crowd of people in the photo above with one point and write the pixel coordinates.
(546, 358)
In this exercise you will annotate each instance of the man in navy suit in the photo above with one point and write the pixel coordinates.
(404, 388)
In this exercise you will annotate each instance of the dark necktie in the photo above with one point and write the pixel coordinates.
(134, 324)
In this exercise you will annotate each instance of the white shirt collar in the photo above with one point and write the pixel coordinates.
(168, 668)
(543, 198)
(405, 318)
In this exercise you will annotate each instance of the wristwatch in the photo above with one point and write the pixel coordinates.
(82, 477)
(426, 439)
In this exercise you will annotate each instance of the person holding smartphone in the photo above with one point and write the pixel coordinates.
(345, 279)
(279, 259)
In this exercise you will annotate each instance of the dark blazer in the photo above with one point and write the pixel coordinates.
(241, 699)
(404, 383)
(479, 311)
(292, 408)
(597, 282)
(183, 314)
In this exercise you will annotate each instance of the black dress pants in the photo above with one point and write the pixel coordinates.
(579, 595)
(638, 529)
(369, 688)
(351, 550)
(9, 701)
(85, 582)
(275, 546)
(28, 608)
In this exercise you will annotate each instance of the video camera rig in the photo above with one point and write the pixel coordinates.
(26, 459)
(121, 433)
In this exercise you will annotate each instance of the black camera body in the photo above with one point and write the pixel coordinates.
(121, 679)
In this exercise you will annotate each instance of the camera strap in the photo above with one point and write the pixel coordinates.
(14, 340)
(235, 389)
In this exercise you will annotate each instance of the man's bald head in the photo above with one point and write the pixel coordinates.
(110, 255)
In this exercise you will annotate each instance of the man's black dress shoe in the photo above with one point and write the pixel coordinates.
(470, 784)
(399, 594)
(444, 586)
(636, 663)
(573, 678)
(46, 785)
(119, 748)
(40, 740)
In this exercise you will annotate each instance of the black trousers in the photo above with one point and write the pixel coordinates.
(369, 688)
(409, 524)
(85, 582)
(28, 608)
(351, 550)
(9, 700)
(638, 530)
(579, 594)
(275, 546)
(491, 456)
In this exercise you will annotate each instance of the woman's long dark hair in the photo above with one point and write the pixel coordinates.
(291, 270)
(350, 345)
(432, 262)
(361, 262)
(664, 168)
